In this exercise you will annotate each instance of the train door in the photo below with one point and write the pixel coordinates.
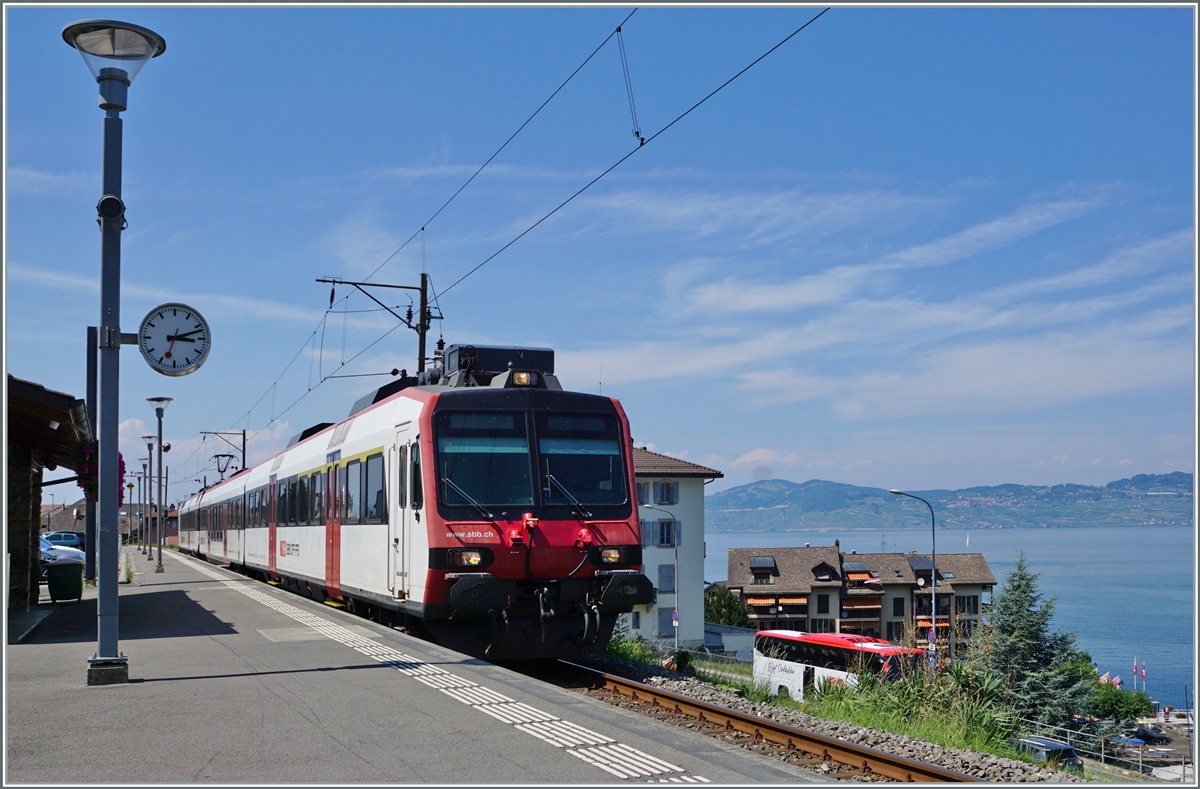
(398, 524)
(333, 534)
(272, 521)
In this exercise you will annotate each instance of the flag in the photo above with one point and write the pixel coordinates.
(1135, 666)
(1143, 672)
(1116, 681)
(1105, 679)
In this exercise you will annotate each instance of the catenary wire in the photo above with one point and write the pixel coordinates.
(502, 147)
(618, 163)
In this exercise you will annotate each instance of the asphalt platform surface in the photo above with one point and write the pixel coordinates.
(234, 681)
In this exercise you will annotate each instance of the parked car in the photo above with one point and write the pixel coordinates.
(67, 539)
(1044, 749)
(1152, 734)
(52, 554)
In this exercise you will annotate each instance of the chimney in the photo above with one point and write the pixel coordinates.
(854, 553)
(806, 545)
(837, 545)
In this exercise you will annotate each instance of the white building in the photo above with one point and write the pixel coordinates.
(670, 496)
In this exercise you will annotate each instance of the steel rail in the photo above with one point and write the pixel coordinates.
(860, 757)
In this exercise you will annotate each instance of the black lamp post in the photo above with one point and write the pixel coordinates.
(114, 52)
(160, 405)
(933, 561)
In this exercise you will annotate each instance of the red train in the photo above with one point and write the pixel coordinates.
(477, 503)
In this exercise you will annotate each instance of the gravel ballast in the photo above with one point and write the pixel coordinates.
(982, 765)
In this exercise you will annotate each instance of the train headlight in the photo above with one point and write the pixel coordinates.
(466, 558)
(612, 555)
(524, 379)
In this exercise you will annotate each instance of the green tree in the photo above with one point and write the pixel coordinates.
(1118, 704)
(1048, 678)
(721, 607)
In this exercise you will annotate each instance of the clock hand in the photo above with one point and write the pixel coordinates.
(189, 333)
(181, 338)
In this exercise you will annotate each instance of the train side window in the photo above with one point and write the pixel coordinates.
(418, 493)
(281, 502)
(375, 498)
(351, 492)
(305, 500)
(401, 478)
(317, 514)
(293, 500)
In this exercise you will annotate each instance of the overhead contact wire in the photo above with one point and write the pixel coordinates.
(502, 147)
(620, 161)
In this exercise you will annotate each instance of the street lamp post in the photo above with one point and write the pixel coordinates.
(145, 483)
(675, 542)
(114, 52)
(160, 405)
(149, 491)
(933, 561)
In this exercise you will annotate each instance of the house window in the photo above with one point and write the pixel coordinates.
(897, 607)
(966, 628)
(666, 534)
(665, 627)
(966, 604)
(666, 492)
(635, 620)
(821, 625)
(761, 577)
(666, 578)
(643, 492)
(823, 607)
(895, 631)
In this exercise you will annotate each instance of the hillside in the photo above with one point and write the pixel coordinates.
(781, 505)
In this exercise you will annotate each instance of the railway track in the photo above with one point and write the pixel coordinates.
(841, 759)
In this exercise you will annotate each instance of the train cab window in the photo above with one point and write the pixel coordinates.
(401, 477)
(582, 452)
(482, 458)
(302, 501)
(418, 492)
(352, 492)
(316, 511)
(374, 495)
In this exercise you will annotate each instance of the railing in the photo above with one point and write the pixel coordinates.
(1106, 750)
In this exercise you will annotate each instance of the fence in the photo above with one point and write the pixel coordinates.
(1107, 750)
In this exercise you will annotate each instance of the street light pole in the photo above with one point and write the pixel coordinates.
(149, 491)
(933, 561)
(114, 52)
(160, 405)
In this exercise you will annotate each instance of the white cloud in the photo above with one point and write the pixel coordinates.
(362, 242)
(23, 180)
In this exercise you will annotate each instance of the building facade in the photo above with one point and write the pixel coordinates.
(670, 497)
(887, 595)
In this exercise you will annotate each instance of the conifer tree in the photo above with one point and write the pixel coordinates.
(1048, 677)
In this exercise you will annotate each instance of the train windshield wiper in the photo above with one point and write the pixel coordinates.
(470, 500)
(584, 514)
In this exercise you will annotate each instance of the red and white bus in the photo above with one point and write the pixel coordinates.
(791, 662)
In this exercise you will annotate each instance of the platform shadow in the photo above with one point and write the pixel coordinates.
(169, 613)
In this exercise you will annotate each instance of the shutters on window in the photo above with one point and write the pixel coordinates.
(645, 534)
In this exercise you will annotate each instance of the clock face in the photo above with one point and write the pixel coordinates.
(174, 339)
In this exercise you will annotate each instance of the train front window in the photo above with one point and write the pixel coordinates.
(483, 459)
(582, 452)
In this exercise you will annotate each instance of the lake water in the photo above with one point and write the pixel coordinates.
(1127, 591)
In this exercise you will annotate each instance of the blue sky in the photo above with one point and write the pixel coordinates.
(919, 248)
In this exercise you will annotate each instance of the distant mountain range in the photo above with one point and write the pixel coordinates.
(780, 505)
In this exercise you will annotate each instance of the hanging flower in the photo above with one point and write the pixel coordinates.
(87, 469)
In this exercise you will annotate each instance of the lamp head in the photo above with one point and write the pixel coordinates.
(113, 50)
(896, 492)
(159, 402)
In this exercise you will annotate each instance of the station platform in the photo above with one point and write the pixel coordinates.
(235, 681)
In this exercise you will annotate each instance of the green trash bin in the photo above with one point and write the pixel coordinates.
(65, 581)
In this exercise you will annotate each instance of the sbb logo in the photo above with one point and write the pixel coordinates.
(283, 549)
